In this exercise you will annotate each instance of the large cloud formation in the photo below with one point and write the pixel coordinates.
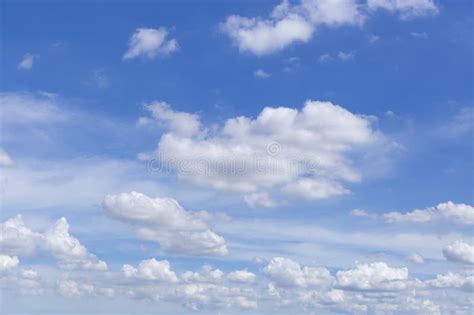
(288, 24)
(164, 220)
(308, 153)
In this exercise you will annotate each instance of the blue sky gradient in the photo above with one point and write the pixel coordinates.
(392, 143)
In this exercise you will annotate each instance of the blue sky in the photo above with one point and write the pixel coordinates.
(351, 120)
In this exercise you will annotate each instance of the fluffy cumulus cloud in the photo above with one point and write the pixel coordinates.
(149, 43)
(377, 275)
(286, 272)
(17, 239)
(163, 220)
(8, 262)
(288, 24)
(308, 153)
(457, 213)
(151, 269)
(67, 249)
(460, 252)
(405, 8)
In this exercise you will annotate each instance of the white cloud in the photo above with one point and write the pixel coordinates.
(261, 74)
(27, 62)
(260, 199)
(288, 287)
(149, 43)
(29, 110)
(67, 249)
(180, 123)
(363, 213)
(346, 56)
(457, 213)
(325, 58)
(16, 238)
(151, 269)
(459, 252)
(262, 37)
(305, 153)
(314, 189)
(407, 9)
(453, 280)
(5, 159)
(377, 275)
(197, 296)
(16, 280)
(8, 262)
(71, 288)
(207, 274)
(288, 24)
(163, 220)
(242, 276)
(286, 272)
(461, 124)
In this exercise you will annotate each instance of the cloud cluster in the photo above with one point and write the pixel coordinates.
(307, 153)
(283, 285)
(364, 289)
(377, 275)
(286, 272)
(151, 269)
(296, 23)
(18, 280)
(197, 290)
(164, 220)
(464, 281)
(460, 252)
(149, 43)
(17, 239)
